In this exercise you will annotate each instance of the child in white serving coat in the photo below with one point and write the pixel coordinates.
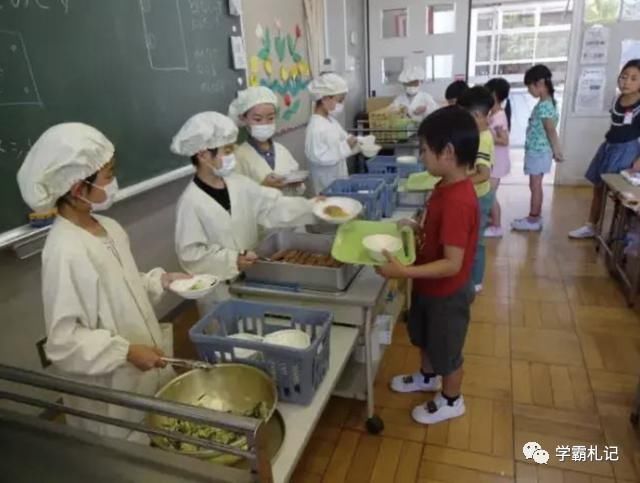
(414, 103)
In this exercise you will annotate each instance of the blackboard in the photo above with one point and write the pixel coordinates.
(134, 69)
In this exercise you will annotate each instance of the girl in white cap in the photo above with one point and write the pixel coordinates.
(416, 104)
(260, 157)
(220, 211)
(327, 144)
(101, 327)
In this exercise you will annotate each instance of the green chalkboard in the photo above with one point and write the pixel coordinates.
(134, 69)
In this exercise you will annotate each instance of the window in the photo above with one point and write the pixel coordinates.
(439, 66)
(391, 69)
(601, 11)
(394, 23)
(440, 19)
(506, 39)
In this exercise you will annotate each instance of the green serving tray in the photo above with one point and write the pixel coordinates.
(347, 246)
(421, 182)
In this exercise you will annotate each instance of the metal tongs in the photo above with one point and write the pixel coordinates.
(187, 363)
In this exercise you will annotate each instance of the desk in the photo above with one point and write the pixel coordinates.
(612, 242)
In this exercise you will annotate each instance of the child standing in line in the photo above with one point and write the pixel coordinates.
(479, 102)
(621, 149)
(500, 125)
(442, 288)
(454, 90)
(542, 144)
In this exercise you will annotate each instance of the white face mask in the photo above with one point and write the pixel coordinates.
(228, 165)
(337, 110)
(110, 191)
(412, 90)
(263, 132)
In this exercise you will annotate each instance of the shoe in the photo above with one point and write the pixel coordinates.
(478, 288)
(493, 232)
(438, 410)
(415, 382)
(585, 231)
(524, 224)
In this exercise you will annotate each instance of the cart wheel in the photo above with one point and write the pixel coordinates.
(374, 425)
(634, 419)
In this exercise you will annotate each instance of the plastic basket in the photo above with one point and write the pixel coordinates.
(369, 192)
(297, 372)
(388, 164)
(390, 193)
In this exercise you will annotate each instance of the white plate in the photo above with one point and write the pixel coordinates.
(294, 338)
(295, 177)
(184, 287)
(349, 205)
(407, 159)
(241, 352)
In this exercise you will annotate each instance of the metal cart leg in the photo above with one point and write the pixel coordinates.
(373, 424)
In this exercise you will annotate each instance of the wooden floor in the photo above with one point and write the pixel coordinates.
(552, 355)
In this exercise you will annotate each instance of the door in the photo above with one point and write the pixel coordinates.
(432, 34)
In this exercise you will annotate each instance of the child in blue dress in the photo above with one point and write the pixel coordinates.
(621, 148)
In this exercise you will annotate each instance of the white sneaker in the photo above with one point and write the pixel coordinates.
(438, 410)
(585, 231)
(415, 382)
(478, 288)
(524, 224)
(493, 232)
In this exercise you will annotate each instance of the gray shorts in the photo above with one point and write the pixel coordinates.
(439, 325)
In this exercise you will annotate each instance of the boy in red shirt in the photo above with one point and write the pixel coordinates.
(442, 287)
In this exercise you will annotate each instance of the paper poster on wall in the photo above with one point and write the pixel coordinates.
(595, 45)
(630, 50)
(630, 10)
(590, 91)
(278, 57)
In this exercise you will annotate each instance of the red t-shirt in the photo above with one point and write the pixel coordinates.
(452, 218)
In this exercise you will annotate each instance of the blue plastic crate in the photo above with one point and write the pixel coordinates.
(390, 194)
(369, 192)
(388, 164)
(297, 372)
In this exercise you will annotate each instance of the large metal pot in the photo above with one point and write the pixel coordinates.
(235, 388)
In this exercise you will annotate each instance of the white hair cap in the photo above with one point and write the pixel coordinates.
(328, 85)
(411, 73)
(63, 155)
(206, 130)
(249, 98)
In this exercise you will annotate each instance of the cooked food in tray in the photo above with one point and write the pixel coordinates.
(299, 257)
(335, 212)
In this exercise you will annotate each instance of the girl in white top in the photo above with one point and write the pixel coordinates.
(101, 327)
(260, 157)
(416, 104)
(327, 144)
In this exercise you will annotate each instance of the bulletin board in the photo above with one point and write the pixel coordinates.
(276, 47)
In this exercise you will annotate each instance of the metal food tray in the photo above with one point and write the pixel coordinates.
(300, 276)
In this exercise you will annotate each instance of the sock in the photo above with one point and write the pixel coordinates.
(450, 400)
(427, 376)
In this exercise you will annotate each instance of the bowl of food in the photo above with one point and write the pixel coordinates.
(377, 244)
(370, 150)
(337, 210)
(232, 388)
(195, 287)
(407, 159)
(294, 338)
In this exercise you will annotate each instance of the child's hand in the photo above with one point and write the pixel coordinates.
(393, 268)
(635, 167)
(408, 222)
(557, 155)
(420, 110)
